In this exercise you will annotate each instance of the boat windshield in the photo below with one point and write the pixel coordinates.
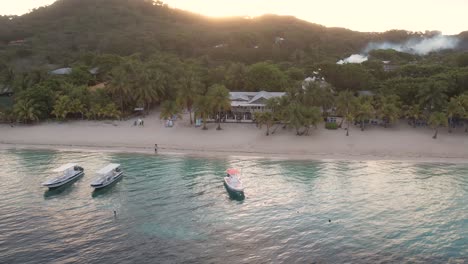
(232, 173)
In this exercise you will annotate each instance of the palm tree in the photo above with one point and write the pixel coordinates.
(364, 111)
(188, 89)
(294, 117)
(110, 111)
(119, 86)
(454, 109)
(94, 111)
(265, 118)
(312, 116)
(26, 110)
(349, 118)
(204, 107)
(62, 107)
(436, 120)
(388, 108)
(432, 95)
(276, 106)
(414, 113)
(279, 107)
(464, 102)
(390, 113)
(317, 94)
(147, 87)
(169, 109)
(77, 107)
(345, 103)
(219, 95)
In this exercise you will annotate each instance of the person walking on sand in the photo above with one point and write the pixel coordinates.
(155, 148)
(142, 122)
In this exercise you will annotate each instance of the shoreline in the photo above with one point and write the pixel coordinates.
(397, 143)
(222, 154)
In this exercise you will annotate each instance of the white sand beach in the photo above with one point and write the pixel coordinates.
(399, 142)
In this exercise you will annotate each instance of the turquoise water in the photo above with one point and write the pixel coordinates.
(175, 209)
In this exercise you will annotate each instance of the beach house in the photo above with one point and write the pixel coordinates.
(245, 104)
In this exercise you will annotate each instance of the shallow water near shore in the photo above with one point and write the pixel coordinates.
(175, 209)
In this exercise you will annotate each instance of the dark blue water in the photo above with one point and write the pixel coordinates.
(175, 209)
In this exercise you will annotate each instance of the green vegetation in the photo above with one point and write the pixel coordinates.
(141, 54)
(331, 126)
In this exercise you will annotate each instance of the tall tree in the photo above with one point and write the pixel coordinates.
(345, 103)
(414, 112)
(26, 110)
(388, 108)
(219, 97)
(119, 86)
(189, 87)
(349, 119)
(265, 76)
(432, 95)
(62, 107)
(170, 109)
(265, 118)
(236, 77)
(148, 86)
(454, 109)
(364, 111)
(436, 120)
(204, 107)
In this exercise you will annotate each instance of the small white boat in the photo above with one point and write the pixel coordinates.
(233, 181)
(68, 173)
(107, 175)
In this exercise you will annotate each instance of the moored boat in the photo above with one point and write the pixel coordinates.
(107, 176)
(233, 181)
(67, 173)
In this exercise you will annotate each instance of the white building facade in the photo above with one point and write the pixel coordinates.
(245, 104)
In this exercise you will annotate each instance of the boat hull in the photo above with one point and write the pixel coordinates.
(105, 184)
(233, 188)
(55, 185)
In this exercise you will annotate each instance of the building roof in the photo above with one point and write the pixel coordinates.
(250, 98)
(61, 71)
(5, 89)
(265, 95)
(365, 93)
(68, 70)
(241, 96)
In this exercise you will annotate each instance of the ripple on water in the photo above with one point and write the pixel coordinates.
(176, 209)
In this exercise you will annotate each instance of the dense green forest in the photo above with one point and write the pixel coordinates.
(126, 54)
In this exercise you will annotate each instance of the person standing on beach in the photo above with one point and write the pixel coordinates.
(155, 148)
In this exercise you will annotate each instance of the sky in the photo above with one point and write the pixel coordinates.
(447, 16)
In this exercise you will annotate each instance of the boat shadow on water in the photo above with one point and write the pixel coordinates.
(105, 190)
(61, 190)
(233, 195)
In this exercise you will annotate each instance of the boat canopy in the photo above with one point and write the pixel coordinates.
(108, 168)
(65, 167)
(232, 171)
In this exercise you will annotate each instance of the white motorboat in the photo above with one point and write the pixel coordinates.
(68, 173)
(233, 181)
(107, 175)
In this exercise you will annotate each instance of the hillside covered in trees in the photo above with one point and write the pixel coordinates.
(145, 53)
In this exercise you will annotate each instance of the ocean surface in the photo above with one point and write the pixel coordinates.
(175, 209)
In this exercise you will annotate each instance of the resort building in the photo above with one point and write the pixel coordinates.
(245, 104)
